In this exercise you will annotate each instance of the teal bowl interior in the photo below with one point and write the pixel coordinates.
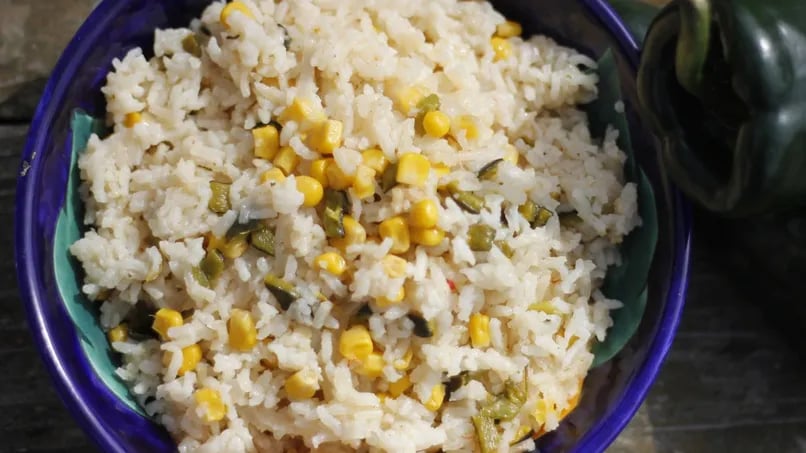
(50, 213)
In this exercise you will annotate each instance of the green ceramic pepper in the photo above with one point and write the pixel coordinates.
(724, 85)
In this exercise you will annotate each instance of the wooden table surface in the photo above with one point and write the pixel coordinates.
(730, 384)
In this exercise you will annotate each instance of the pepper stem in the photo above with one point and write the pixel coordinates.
(693, 43)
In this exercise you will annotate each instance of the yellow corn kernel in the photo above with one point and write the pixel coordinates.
(479, 329)
(327, 136)
(429, 237)
(241, 330)
(441, 170)
(400, 386)
(331, 262)
(273, 175)
(210, 400)
(302, 110)
(396, 230)
(436, 399)
(375, 159)
(337, 179)
(436, 124)
(356, 343)
(424, 214)
(131, 119)
(191, 356)
(372, 366)
(511, 154)
(384, 302)
(404, 362)
(267, 141)
(319, 170)
(364, 183)
(467, 124)
(118, 333)
(354, 232)
(311, 189)
(302, 385)
(394, 266)
(508, 29)
(232, 7)
(164, 319)
(382, 397)
(413, 169)
(501, 47)
(408, 98)
(286, 160)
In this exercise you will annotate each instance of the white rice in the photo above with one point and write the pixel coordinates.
(146, 190)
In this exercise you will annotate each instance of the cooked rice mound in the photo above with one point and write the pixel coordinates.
(269, 163)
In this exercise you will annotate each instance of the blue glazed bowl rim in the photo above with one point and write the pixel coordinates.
(91, 417)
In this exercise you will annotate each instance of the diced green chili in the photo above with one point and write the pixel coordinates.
(338, 199)
(529, 211)
(468, 201)
(422, 328)
(455, 383)
(543, 216)
(240, 229)
(490, 171)
(139, 319)
(263, 240)
(200, 276)
(487, 433)
(389, 177)
(236, 246)
(480, 237)
(191, 45)
(500, 409)
(429, 103)
(212, 265)
(219, 202)
(333, 222)
(570, 220)
(283, 291)
(505, 248)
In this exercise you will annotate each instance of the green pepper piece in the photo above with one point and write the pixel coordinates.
(487, 433)
(490, 171)
(422, 328)
(200, 276)
(283, 291)
(263, 240)
(724, 87)
(219, 202)
(389, 177)
(480, 237)
(212, 265)
(468, 201)
(191, 45)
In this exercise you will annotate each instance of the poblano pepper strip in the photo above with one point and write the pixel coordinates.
(724, 85)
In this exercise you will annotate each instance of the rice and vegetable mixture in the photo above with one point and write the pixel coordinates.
(353, 225)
